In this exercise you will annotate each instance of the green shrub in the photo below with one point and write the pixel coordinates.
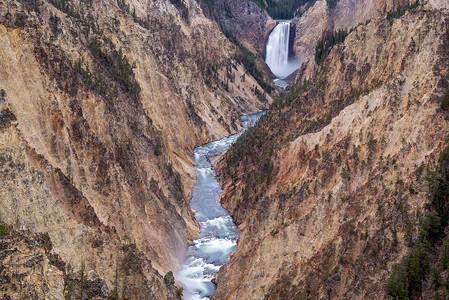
(417, 264)
(430, 226)
(405, 280)
(396, 284)
(4, 230)
(444, 253)
(445, 101)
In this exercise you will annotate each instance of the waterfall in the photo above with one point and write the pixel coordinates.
(278, 49)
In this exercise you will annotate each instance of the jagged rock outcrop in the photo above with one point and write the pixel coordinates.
(32, 268)
(102, 104)
(28, 269)
(327, 190)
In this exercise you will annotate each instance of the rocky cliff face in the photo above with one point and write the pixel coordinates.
(248, 22)
(31, 268)
(102, 103)
(26, 265)
(329, 187)
(439, 4)
(342, 14)
(247, 26)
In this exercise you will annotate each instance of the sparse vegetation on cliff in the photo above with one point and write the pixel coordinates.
(69, 8)
(118, 65)
(103, 75)
(342, 172)
(284, 9)
(330, 39)
(248, 60)
(182, 7)
(326, 43)
(407, 276)
(400, 11)
(445, 82)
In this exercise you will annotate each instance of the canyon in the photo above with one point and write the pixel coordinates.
(102, 104)
(328, 186)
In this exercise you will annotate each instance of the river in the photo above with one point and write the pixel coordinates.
(218, 237)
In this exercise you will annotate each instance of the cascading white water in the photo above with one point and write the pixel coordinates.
(218, 237)
(277, 51)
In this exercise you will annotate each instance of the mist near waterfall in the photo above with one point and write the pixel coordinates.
(277, 51)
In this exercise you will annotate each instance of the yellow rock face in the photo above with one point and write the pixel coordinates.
(108, 106)
(347, 156)
(345, 15)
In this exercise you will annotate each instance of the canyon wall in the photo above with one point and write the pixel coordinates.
(245, 20)
(102, 104)
(343, 14)
(329, 188)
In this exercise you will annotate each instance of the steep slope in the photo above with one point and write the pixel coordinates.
(329, 186)
(247, 26)
(102, 103)
(327, 15)
(243, 19)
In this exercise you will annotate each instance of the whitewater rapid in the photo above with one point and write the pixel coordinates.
(218, 237)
